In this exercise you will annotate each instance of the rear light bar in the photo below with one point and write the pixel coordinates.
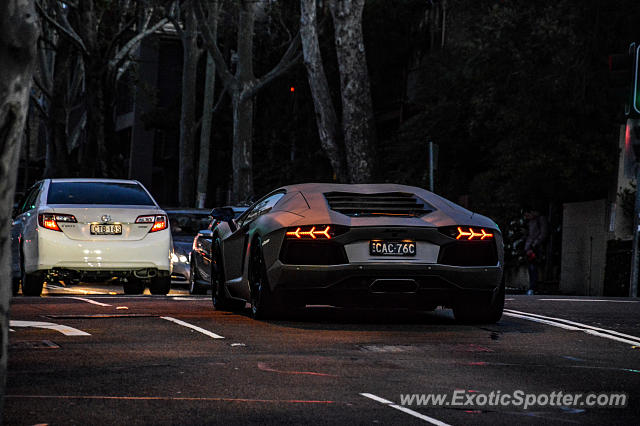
(322, 232)
(469, 233)
(50, 220)
(159, 222)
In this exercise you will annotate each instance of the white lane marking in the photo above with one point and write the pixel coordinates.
(89, 301)
(589, 300)
(405, 409)
(548, 322)
(64, 329)
(196, 328)
(589, 329)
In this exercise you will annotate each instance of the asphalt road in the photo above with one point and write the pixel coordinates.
(105, 358)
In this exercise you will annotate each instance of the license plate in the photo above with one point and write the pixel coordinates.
(392, 248)
(115, 229)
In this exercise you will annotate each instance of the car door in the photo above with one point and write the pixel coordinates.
(235, 246)
(202, 251)
(24, 224)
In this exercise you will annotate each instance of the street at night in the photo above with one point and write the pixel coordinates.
(270, 212)
(175, 360)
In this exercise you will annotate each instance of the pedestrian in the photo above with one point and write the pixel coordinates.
(534, 246)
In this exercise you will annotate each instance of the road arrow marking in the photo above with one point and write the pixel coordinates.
(64, 329)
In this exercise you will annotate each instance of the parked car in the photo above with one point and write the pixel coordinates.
(346, 245)
(200, 278)
(90, 229)
(185, 224)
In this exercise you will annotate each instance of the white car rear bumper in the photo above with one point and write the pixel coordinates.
(55, 250)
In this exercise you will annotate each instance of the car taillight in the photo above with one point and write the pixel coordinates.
(323, 232)
(50, 220)
(159, 222)
(469, 233)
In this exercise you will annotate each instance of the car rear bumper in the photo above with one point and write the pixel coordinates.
(384, 283)
(56, 251)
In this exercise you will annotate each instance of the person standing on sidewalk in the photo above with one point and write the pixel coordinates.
(537, 232)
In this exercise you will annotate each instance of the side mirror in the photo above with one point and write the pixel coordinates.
(223, 214)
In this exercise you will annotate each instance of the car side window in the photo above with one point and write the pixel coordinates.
(261, 207)
(30, 200)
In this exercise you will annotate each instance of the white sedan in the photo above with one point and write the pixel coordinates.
(75, 230)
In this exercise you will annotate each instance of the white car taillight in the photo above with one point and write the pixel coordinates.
(159, 221)
(50, 220)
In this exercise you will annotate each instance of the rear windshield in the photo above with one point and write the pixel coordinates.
(120, 194)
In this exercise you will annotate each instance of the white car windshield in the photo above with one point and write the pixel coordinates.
(114, 193)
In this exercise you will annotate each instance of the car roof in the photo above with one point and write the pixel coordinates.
(95, 180)
(364, 188)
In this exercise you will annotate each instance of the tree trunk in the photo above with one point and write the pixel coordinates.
(326, 118)
(358, 126)
(57, 164)
(92, 153)
(190, 52)
(241, 157)
(207, 114)
(242, 87)
(18, 36)
(92, 156)
(242, 161)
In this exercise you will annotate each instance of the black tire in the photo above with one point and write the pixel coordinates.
(218, 296)
(194, 287)
(32, 283)
(133, 286)
(264, 303)
(160, 285)
(487, 313)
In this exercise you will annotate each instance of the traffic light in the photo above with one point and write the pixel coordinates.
(623, 78)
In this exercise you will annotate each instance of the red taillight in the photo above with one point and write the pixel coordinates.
(468, 233)
(50, 220)
(310, 232)
(159, 222)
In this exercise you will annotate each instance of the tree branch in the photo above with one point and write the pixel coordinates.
(41, 87)
(67, 31)
(211, 44)
(289, 58)
(133, 43)
(39, 107)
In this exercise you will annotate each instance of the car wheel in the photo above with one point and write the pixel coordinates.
(487, 313)
(264, 303)
(32, 283)
(160, 285)
(194, 287)
(220, 300)
(133, 285)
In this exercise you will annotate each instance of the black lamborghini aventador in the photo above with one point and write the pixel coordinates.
(357, 245)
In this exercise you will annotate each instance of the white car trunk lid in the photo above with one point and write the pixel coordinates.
(87, 216)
